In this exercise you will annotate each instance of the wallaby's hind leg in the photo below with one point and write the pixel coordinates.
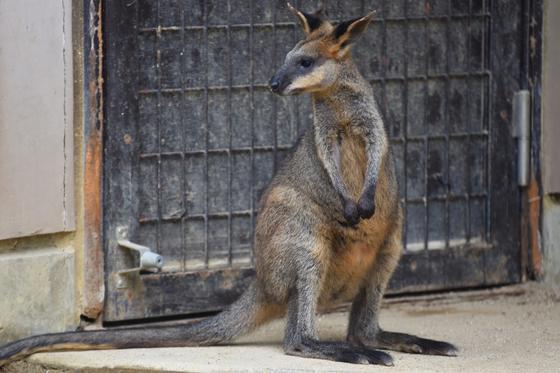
(300, 338)
(413, 344)
(363, 328)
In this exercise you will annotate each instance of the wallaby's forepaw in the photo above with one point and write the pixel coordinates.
(366, 206)
(351, 213)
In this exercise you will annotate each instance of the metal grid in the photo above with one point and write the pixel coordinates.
(211, 134)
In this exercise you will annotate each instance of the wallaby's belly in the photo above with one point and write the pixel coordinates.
(346, 272)
(350, 264)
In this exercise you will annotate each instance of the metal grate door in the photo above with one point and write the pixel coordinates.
(193, 136)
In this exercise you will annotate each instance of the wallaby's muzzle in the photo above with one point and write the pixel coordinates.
(278, 82)
(274, 84)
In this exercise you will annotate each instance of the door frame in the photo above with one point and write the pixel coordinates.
(91, 22)
(531, 196)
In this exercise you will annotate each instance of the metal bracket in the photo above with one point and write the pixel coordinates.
(149, 260)
(522, 131)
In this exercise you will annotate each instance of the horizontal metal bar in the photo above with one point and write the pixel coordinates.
(247, 149)
(456, 135)
(217, 215)
(226, 214)
(224, 151)
(292, 24)
(418, 248)
(442, 198)
(177, 90)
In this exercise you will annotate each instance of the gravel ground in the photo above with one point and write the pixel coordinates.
(509, 329)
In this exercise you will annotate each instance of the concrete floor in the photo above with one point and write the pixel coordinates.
(509, 329)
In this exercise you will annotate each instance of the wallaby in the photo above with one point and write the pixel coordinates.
(329, 228)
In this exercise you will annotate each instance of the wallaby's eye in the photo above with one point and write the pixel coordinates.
(306, 62)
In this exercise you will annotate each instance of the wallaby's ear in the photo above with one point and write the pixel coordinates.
(346, 33)
(309, 22)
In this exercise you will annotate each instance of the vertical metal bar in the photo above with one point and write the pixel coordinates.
(469, 124)
(383, 82)
(274, 97)
(488, 111)
(296, 99)
(206, 126)
(230, 162)
(383, 56)
(183, 143)
(525, 45)
(447, 124)
(426, 131)
(138, 68)
(405, 137)
(158, 167)
(489, 115)
(252, 115)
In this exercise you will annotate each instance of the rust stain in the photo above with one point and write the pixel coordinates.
(93, 171)
(427, 7)
(524, 228)
(534, 201)
(204, 274)
(504, 115)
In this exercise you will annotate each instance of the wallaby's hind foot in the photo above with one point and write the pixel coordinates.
(411, 344)
(339, 351)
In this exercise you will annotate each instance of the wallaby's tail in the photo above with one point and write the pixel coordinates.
(248, 312)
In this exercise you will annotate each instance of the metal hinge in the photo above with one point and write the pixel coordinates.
(522, 131)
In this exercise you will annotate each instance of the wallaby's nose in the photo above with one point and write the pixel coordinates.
(274, 85)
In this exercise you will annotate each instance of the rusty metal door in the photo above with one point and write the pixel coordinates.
(192, 137)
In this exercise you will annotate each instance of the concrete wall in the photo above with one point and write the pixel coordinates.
(37, 292)
(40, 163)
(551, 143)
(551, 239)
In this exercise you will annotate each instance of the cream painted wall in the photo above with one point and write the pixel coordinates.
(36, 137)
(550, 142)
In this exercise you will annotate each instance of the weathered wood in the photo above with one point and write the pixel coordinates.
(119, 39)
(505, 62)
(452, 268)
(92, 91)
(424, 146)
(156, 295)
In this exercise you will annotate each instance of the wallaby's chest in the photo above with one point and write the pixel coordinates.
(353, 161)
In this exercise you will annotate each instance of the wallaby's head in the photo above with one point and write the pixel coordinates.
(318, 61)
